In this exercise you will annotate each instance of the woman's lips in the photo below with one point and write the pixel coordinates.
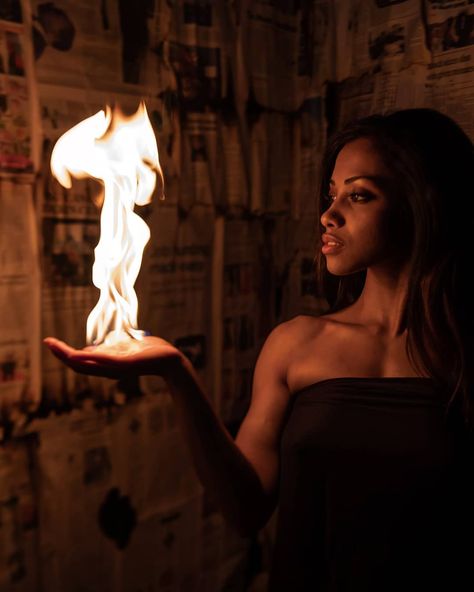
(331, 247)
(331, 244)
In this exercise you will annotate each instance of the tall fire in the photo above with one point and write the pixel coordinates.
(121, 152)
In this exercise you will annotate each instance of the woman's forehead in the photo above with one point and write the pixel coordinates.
(360, 157)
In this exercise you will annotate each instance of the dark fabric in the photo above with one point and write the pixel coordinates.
(375, 491)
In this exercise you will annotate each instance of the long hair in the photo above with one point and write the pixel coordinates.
(432, 160)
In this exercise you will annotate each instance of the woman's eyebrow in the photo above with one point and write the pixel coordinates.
(375, 178)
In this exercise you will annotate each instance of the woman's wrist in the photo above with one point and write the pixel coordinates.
(175, 367)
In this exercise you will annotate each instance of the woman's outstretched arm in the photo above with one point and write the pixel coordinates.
(240, 475)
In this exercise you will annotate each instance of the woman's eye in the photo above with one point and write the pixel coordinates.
(356, 196)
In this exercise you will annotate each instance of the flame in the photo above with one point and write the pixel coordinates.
(121, 152)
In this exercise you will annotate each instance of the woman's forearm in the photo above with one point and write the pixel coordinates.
(222, 468)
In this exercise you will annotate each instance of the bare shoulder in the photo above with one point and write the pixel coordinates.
(301, 327)
(270, 392)
(260, 432)
(286, 339)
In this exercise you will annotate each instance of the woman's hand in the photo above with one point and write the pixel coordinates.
(151, 355)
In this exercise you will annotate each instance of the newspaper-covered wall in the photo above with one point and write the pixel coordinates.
(404, 54)
(175, 283)
(16, 86)
(19, 274)
(19, 527)
(241, 96)
(450, 76)
(115, 500)
(243, 314)
(20, 383)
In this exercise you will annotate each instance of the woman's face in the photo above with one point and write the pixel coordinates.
(363, 212)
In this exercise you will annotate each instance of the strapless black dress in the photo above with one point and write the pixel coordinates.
(375, 491)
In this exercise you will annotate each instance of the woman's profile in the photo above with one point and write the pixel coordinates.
(359, 427)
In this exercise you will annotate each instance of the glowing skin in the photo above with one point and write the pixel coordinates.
(363, 212)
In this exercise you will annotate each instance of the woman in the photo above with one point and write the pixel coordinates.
(360, 418)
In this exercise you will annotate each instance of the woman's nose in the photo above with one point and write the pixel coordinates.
(332, 216)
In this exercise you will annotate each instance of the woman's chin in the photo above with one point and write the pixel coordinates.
(340, 268)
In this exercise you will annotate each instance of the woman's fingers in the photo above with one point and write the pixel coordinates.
(57, 344)
(58, 348)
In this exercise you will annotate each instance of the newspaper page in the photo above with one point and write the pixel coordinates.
(379, 36)
(19, 562)
(236, 562)
(234, 133)
(247, 314)
(201, 177)
(19, 299)
(78, 501)
(294, 252)
(308, 141)
(174, 287)
(77, 43)
(385, 67)
(398, 55)
(194, 76)
(287, 49)
(116, 499)
(212, 531)
(15, 91)
(107, 45)
(153, 468)
(235, 189)
(193, 50)
(271, 160)
(143, 434)
(450, 81)
(163, 554)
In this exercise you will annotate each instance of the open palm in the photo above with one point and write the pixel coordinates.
(151, 355)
